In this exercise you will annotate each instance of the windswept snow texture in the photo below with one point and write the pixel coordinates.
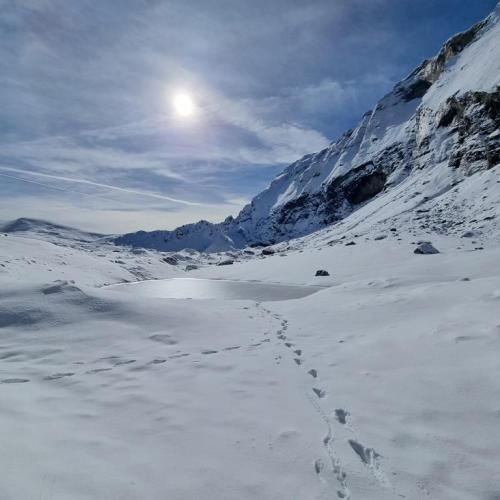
(443, 116)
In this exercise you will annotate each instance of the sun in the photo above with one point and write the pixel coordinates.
(184, 104)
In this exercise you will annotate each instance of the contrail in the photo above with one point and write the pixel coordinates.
(97, 184)
(49, 186)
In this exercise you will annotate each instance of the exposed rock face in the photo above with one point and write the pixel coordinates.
(444, 115)
(475, 120)
(170, 260)
(268, 251)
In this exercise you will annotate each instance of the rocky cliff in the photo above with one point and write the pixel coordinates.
(444, 115)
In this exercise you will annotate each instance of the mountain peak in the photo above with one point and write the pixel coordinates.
(442, 116)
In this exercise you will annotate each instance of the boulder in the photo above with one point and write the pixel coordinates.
(228, 262)
(190, 267)
(322, 272)
(267, 251)
(425, 248)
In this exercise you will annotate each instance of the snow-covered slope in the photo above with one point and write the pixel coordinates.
(444, 116)
(382, 386)
(47, 230)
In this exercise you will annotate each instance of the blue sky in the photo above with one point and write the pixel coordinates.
(88, 134)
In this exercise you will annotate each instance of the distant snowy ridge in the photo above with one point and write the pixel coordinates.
(47, 230)
(444, 115)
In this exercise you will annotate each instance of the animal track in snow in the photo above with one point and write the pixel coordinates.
(336, 472)
(57, 376)
(124, 362)
(367, 455)
(319, 392)
(98, 370)
(342, 489)
(163, 338)
(232, 348)
(341, 415)
(319, 466)
(370, 457)
(14, 381)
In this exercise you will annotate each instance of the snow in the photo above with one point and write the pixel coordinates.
(382, 385)
(476, 68)
(123, 376)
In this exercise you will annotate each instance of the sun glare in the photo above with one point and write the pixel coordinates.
(184, 104)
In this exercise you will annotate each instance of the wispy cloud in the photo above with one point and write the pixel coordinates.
(85, 89)
(97, 184)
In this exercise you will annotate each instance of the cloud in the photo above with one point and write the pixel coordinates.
(85, 85)
(108, 218)
(96, 184)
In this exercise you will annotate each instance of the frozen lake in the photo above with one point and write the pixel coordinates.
(199, 288)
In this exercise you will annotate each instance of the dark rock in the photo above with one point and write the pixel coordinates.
(366, 187)
(468, 234)
(227, 262)
(191, 267)
(360, 184)
(170, 260)
(322, 272)
(267, 251)
(350, 244)
(425, 248)
(415, 90)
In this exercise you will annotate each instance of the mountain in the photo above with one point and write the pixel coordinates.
(444, 116)
(47, 230)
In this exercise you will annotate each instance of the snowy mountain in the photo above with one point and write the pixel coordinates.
(47, 230)
(444, 117)
(358, 361)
